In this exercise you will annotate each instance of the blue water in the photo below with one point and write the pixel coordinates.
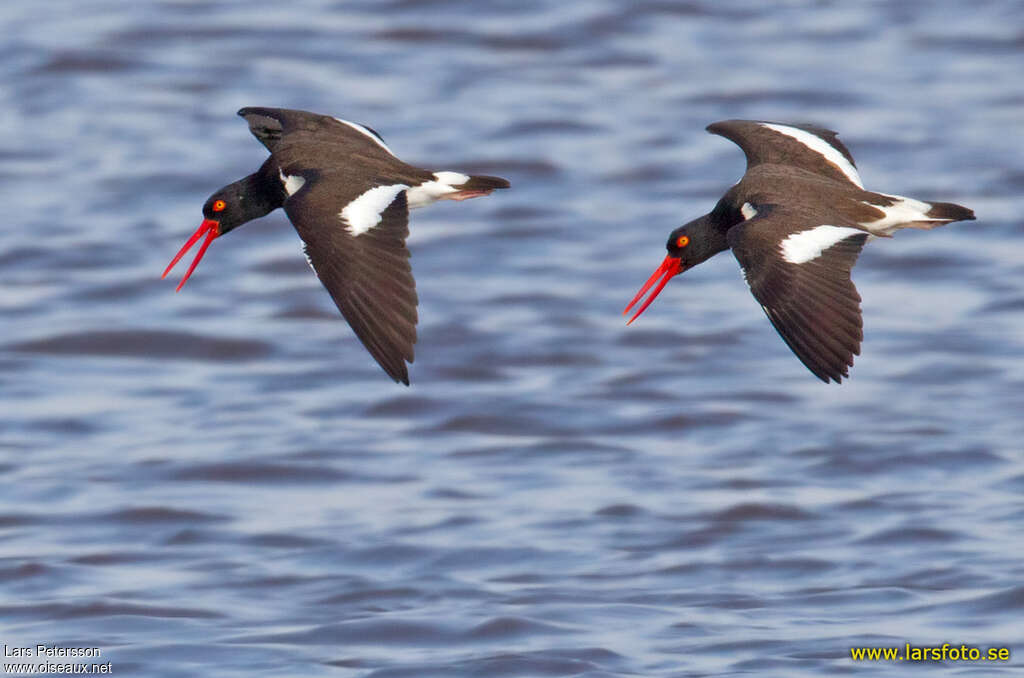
(222, 483)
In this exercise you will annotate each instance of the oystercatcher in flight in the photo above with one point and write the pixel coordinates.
(796, 222)
(349, 198)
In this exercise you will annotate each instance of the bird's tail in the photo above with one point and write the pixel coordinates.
(947, 211)
(902, 212)
(940, 214)
(452, 186)
(463, 187)
(482, 182)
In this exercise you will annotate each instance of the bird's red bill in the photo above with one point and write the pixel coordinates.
(211, 229)
(670, 267)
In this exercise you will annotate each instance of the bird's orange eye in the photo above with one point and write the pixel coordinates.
(682, 241)
(219, 205)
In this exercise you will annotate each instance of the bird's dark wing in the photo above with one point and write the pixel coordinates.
(267, 124)
(798, 268)
(814, 149)
(270, 125)
(354, 237)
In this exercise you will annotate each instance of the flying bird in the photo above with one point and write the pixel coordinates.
(349, 197)
(796, 223)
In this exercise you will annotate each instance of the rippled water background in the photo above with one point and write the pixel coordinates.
(221, 483)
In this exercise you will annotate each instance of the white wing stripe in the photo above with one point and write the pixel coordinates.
(805, 246)
(363, 213)
(821, 147)
(362, 130)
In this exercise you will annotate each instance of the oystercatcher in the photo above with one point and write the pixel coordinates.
(349, 198)
(796, 222)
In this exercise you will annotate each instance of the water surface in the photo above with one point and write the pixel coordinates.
(221, 482)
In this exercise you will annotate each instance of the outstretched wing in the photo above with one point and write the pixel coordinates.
(269, 125)
(814, 149)
(354, 237)
(798, 268)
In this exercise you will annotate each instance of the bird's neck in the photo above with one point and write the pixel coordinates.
(709, 231)
(261, 191)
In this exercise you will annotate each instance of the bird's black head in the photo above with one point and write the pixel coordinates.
(221, 213)
(225, 207)
(680, 245)
(229, 208)
(687, 246)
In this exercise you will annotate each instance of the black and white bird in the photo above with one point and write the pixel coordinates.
(796, 222)
(349, 198)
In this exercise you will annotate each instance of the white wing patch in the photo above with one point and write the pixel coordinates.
(748, 211)
(364, 130)
(292, 183)
(431, 191)
(821, 147)
(899, 215)
(305, 253)
(363, 213)
(805, 246)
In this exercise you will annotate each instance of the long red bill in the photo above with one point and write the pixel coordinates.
(209, 227)
(671, 267)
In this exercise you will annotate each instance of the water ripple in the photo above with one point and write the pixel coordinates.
(221, 482)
